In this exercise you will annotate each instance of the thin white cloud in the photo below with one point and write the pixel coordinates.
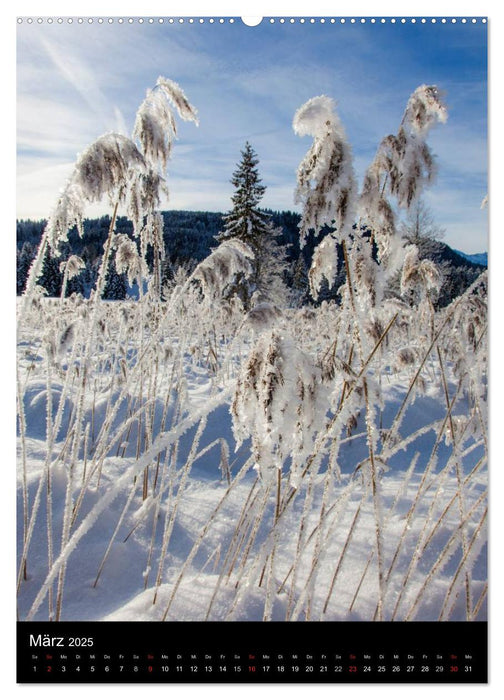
(56, 129)
(85, 82)
(38, 184)
(71, 90)
(461, 150)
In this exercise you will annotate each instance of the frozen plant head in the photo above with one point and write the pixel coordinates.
(325, 177)
(222, 267)
(376, 210)
(278, 404)
(402, 167)
(155, 127)
(324, 265)
(128, 259)
(144, 195)
(152, 234)
(406, 158)
(420, 276)
(424, 109)
(67, 212)
(176, 96)
(103, 169)
(263, 316)
(73, 266)
(316, 116)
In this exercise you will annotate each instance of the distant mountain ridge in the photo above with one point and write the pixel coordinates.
(476, 258)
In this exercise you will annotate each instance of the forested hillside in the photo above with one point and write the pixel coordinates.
(213, 448)
(189, 237)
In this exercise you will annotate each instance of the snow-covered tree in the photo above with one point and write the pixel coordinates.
(247, 222)
(419, 228)
(51, 276)
(115, 287)
(300, 283)
(24, 259)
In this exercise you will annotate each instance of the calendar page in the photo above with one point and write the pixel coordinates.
(252, 349)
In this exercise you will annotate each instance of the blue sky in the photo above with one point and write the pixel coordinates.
(77, 81)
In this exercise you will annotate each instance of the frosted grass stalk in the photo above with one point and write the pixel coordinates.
(115, 533)
(26, 502)
(49, 509)
(319, 541)
(114, 405)
(70, 472)
(460, 494)
(260, 558)
(197, 543)
(47, 468)
(155, 516)
(421, 547)
(161, 443)
(337, 512)
(163, 423)
(85, 458)
(257, 521)
(335, 421)
(471, 553)
(240, 530)
(467, 482)
(170, 517)
(235, 546)
(410, 515)
(446, 552)
(88, 522)
(480, 602)
(97, 463)
(300, 545)
(448, 314)
(270, 581)
(375, 488)
(401, 492)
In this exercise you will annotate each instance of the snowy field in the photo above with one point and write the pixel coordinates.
(152, 510)
(215, 451)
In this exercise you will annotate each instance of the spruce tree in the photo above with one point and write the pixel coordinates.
(24, 259)
(115, 285)
(51, 276)
(300, 282)
(254, 227)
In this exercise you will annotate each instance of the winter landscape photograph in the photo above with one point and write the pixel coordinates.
(252, 320)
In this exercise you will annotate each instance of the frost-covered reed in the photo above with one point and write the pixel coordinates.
(301, 464)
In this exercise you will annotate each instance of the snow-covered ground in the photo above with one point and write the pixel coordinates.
(154, 512)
